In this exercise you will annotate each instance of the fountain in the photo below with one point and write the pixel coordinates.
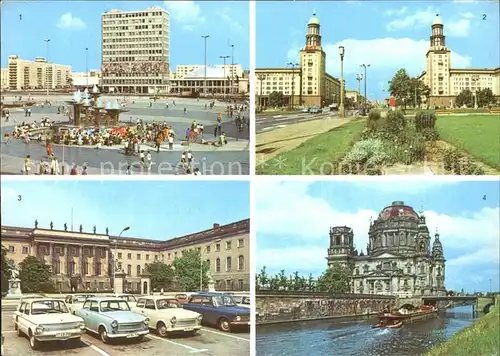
(89, 109)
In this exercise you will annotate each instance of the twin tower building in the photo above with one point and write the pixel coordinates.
(400, 257)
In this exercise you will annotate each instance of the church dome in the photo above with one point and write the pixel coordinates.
(437, 20)
(397, 209)
(314, 20)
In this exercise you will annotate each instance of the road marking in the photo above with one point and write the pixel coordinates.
(193, 350)
(273, 127)
(228, 335)
(9, 331)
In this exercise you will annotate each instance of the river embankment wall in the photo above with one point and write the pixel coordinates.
(286, 306)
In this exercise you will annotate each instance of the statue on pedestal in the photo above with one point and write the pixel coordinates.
(81, 228)
(211, 283)
(14, 285)
(94, 229)
(36, 224)
(51, 225)
(107, 231)
(65, 227)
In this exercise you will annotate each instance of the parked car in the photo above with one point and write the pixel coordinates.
(182, 298)
(219, 309)
(75, 301)
(242, 301)
(47, 320)
(130, 298)
(305, 110)
(112, 318)
(166, 315)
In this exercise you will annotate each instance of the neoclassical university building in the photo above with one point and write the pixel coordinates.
(446, 82)
(84, 260)
(400, 259)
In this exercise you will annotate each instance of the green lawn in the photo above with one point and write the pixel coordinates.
(478, 135)
(480, 339)
(318, 153)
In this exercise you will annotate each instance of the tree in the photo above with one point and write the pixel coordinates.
(188, 269)
(485, 97)
(262, 279)
(465, 98)
(400, 87)
(310, 282)
(162, 275)
(420, 90)
(336, 279)
(35, 276)
(6, 271)
(282, 280)
(276, 99)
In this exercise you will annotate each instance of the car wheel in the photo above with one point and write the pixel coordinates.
(18, 331)
(162, 329)
(140, 338)
(34, 343)
(104, 335)
(224, 325)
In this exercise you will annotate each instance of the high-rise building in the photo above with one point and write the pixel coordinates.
(446, 82)
(136, 51)
(305, 83)
(4, 78)
(38, 74)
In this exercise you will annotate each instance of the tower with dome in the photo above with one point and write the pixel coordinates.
(401, 258)
(304, 83)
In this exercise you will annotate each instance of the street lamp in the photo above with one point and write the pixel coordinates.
(224, 82)
(490, 285)
(205, 80)
(87, 64)
(359, 78)
(293, 65)
(474, 79)
(114, 259)
(47, 66)
(365, 66)
(341, 53)
(232, 68)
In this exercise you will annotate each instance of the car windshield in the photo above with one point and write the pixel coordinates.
(48, 307)
(167, 303)
(114, 305)
(79, 298)
(181, 296)
(225, 300)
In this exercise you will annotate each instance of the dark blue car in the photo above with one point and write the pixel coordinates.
(219, 309)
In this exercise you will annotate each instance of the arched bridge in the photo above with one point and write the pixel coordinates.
(479, 303)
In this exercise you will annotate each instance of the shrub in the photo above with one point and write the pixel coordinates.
(430, 134)
(363, 153)
(425, 120)
(469, 167)
(373, 120)
(451, 159)
(394, 122)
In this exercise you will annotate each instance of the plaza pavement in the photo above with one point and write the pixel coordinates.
(232, 159)
(208, 341)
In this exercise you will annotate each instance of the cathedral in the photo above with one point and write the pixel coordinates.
(399, 258)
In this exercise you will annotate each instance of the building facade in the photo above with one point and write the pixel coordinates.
(135, 51)
(86, 79)
(88, 257)
(446, 82)
(219, 81)
(38, 74)
(306, 84)
(4, 78)
(400, 259)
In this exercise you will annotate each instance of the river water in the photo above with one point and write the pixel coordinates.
(356, 336)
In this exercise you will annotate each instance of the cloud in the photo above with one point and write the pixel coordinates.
(187, 13)
(384, 54)
(292, 229)
(458, 27)
(234, 27)
(67, 21)
(420, 18)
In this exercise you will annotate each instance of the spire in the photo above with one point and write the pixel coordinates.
(314, 11)
(437, 234)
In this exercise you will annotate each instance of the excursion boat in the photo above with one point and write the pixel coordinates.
(396, 319)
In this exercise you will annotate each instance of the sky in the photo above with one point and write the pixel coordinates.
(153, 210)
(292, 222)
(388, 35)
(74, 25)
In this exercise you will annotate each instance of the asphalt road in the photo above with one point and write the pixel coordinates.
(269, 123)
(208, 341)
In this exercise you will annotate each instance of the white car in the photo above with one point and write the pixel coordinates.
(130, 298)
(242, 300)
(47, 319)
(166, 315)
(75, 301)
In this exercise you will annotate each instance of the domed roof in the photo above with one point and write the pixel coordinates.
(397, 209)
(437, 20)
(314, 19)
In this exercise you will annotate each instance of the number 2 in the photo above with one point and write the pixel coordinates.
(484, 16)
